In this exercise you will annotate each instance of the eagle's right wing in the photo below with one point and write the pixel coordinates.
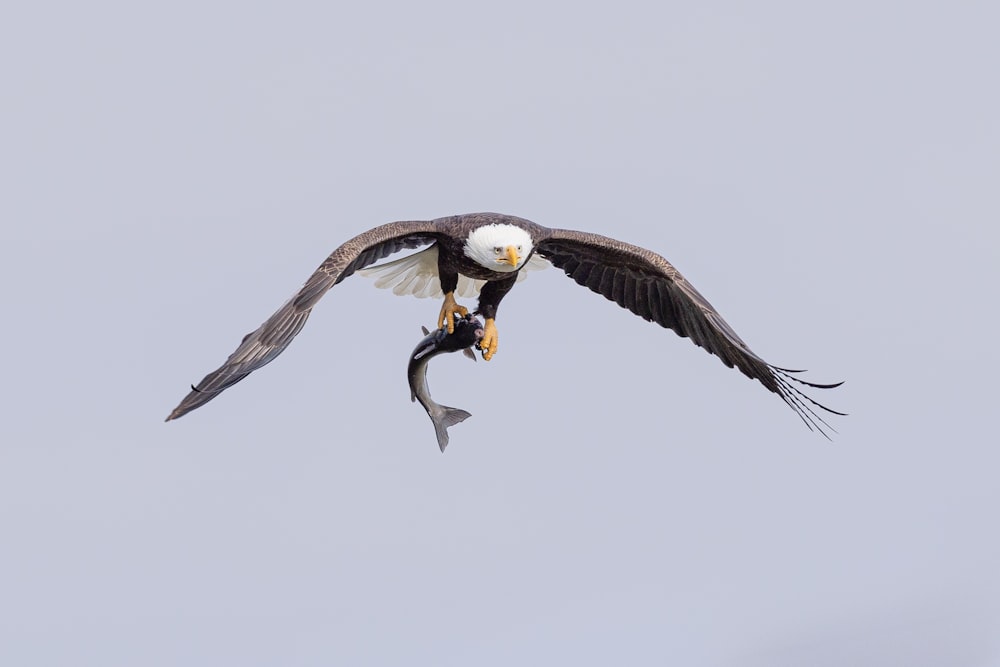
(260, 347)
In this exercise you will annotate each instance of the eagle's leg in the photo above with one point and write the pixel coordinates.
(488, 344)
(448, 310)
(489, 298)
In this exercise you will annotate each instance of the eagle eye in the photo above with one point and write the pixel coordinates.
(497, 249)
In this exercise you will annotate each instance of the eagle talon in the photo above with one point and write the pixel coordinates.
(448, 309)
(488, 344)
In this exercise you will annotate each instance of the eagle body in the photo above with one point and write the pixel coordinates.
(488, 253)
(453, 248)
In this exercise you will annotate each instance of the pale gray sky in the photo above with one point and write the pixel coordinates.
(825, 175)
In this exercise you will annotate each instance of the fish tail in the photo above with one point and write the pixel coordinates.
(449, 417)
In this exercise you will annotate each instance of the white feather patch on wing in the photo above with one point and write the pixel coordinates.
(417, 275)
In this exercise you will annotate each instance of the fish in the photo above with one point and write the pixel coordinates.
(468, 332)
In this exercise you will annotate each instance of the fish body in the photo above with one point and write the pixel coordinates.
(468, 331)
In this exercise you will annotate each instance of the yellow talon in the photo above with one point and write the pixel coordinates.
(488, 344)
(448, 310)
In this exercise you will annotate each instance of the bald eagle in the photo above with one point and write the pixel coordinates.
(489, 252)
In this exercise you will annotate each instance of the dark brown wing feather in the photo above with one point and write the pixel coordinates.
(273, 336)
(649, 286)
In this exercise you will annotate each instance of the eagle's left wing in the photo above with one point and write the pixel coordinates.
(649, 286)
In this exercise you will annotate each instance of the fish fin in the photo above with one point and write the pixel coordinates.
(469, 353)
(450, 417)
(426, 332)
(422, 353)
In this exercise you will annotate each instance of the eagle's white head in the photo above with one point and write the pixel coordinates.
(499, 247)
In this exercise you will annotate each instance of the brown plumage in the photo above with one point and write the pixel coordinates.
(633, 277)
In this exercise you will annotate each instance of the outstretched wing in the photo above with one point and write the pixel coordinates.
(273, 336)
(649, 286)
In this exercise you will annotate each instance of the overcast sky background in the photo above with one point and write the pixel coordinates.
(826, 175)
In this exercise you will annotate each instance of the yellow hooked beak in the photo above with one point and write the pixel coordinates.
(512, 257)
